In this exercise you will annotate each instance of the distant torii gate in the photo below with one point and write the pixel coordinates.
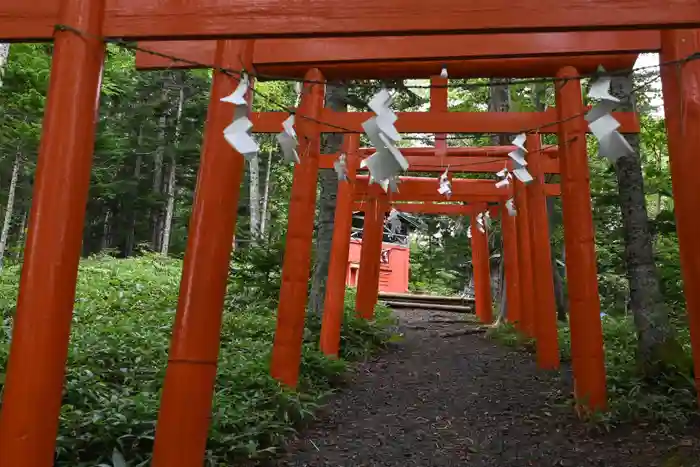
(32, 392)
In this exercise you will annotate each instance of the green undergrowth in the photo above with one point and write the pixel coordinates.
(124, 312)
(668, 402)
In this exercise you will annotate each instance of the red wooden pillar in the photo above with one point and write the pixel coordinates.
(185, 410)
(482, 273)
(681, 90)
(337, 268)
(438, 103)
(525, 270)
(510, 247)
(286, 352)
(370, 256)
(36, 367)
(545, 309)
(584, 303)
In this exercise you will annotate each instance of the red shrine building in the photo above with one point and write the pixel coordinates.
(394, 265)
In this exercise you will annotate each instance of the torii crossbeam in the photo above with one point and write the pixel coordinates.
(142, 19)
(34, 379)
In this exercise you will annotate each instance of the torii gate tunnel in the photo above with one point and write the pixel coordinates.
(397, 39)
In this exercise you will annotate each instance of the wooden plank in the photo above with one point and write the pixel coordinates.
(461, 164)
(437, 208)
(449, 122)
(425, 189)
(420, 186)
(436, 197)
(274, 56)
(487, 68)
(173, 19)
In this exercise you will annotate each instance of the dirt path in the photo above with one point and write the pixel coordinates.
(463, 400)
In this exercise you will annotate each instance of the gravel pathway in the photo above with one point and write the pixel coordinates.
(440, 399)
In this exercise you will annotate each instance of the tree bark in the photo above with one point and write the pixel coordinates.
(172, 175)
(266, 197)
(20, 237)
(656, 343)
(559, 290)
(336, 100)
(170, 209)
(131, 234)
(157, 188)
(10, 206)
(4, 55)
(539, 92)
(500, 101)
(254, 198)
(106, 231)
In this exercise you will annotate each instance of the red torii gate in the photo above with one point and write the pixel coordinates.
(35, 371)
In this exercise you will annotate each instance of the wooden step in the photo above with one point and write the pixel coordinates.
(428, 306)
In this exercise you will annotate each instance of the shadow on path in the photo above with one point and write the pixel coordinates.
(464, 400)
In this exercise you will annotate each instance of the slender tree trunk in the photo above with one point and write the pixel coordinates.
(170, 210)
(4, 55)
(500, 101)
(20, 238)
(254, 198)
(336, 100)
(10, 206)
(172, 175)
(156, 215)
(559, 289)
(131, 234)
(106, 241)
(656, 343)
(157, 188)
(266, 197)
(539, 92)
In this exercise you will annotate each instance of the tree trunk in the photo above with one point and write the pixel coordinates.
(157, 189)
(131, 234)
(656, 343)
(10, 206)
(170, 210)
(500, 101)
(254, 198)
(336, 100)
(20, 238)
(559, 291)
(4, 55)
(106, 241)
(266, 197)
(172, 174)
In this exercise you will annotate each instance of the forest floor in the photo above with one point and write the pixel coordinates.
(440, 399)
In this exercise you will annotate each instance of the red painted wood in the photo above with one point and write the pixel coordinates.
(432, 208)
(185, 410)
(42, 321)
(291, 311)
(483, 151)
(419, 187)
(587, 353)
(334, 303)
(273, 56)
(481, 269)
(422, 57)
(368, 281)
(510, 257)
(310, 18)
(426, 122)
(681, 87)
(525, 269)
(430, 197)
(464, 164)
(543, 291)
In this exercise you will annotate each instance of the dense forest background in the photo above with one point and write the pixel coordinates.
(144, 173)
